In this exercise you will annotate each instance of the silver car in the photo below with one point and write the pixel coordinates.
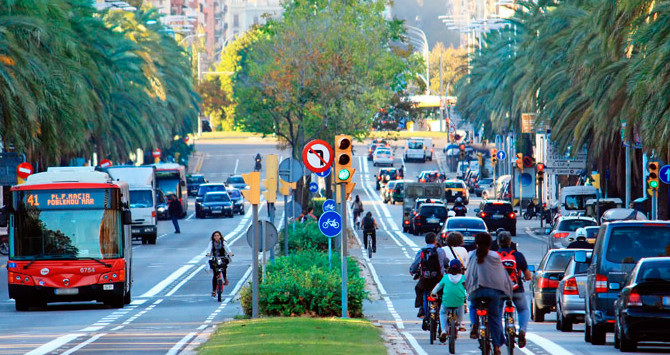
(565, 228)
(570, 301)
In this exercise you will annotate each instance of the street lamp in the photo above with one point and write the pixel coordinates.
(426, 50)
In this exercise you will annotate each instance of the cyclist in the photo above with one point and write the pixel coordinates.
(486, 278)
(459, 208)
(370, 228)
(495, 246)
(219, 248)
(507, 254)
(453, 294)
(580, 242)
(428, 267)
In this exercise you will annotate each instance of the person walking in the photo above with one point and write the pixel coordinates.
(175, 210)
(219, 248)
(486, 278)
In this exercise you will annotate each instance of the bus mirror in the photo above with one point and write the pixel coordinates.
(127, 217)
(182, 183)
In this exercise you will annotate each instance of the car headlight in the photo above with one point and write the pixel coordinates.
(162, 209)
(205, 208)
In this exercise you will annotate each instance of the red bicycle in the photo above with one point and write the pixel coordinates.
(219, 265)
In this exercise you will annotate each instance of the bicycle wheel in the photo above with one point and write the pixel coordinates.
(219, 287)
(433, 327)
(509, 334)
(369, 246)
(484, 337)
(453, 331)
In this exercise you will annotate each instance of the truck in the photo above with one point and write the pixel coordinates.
(142, 183)
(414, 190)
(572, 199)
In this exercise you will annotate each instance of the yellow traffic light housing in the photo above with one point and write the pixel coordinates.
(253, 193)
(343, 171)
(285, 186)
(540, 172)
(652, 172)
(519, 161)
(270, 181)
(349, 188)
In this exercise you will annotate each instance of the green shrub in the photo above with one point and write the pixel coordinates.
(317, 204)
(306, 236)
(304, 284)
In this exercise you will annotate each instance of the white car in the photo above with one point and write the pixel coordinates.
(382, 156)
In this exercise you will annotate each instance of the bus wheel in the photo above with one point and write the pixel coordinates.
(22, 305)
(126, 298)
(116, 301)
(152, 239)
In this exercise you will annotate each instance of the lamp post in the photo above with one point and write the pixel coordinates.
(423, 41)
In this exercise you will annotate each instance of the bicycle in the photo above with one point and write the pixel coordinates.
(368, 242)
(510, 327)
(483, 331)
(452, 326)
(218, 265)
(434, 318)
(330, 223)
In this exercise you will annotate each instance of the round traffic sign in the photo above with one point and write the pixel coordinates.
(105, 163)
(325, 173)
(527, 162)
(24, 170)
(328, 205)
(272, 235)
(526, 179)
(501, 155)
(156, 153)
(664, 174)
(313, 187)
(317, 156)
(290, 170)
(330, 223)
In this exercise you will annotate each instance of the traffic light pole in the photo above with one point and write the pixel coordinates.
(654, 204)
(343, 241)
(285, 225)
(254, 264)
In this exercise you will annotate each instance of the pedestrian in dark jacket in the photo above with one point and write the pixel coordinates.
(175, 210)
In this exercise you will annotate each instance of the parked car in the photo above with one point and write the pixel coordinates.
(429, 218)
(545, 281)
(565, 228)
(384, 175)
(216, 203)
(483, 186)
(642, 308)
(382, 156)
(467, 226)
(237, 199)
(429, 176)
(497, 214)
(394, 192)
(571, 295)
(454, 189)
(236, 181)
(193, 183)
(619, 246)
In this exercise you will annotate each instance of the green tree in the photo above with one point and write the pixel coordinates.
(454, 66)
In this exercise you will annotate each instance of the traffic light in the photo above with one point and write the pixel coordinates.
(349, 188)
(253, 193)
(519, 161)
(283, 189)
(652, 172)
(540, 172)
(343, 171)
(270, 180)
(494, 160)
(461, 147)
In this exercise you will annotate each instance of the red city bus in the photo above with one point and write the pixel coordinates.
(69, 239)
(171, 180)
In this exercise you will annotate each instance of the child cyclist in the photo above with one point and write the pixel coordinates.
(453, 294)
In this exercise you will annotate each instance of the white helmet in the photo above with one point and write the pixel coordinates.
(580, 233)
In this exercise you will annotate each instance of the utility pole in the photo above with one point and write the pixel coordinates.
(253, 195)
(443, 100)
(628, 182)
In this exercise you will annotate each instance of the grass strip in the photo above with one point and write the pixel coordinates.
(295, 336)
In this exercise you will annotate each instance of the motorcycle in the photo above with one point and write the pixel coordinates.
(460, 211)
(258, 165)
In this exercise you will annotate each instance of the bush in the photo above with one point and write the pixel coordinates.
(306, 236)
(317, 204)
(304, 284)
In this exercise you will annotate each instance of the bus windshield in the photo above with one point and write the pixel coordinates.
(141, 199)
(169, 187)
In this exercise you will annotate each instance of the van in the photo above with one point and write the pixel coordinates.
(415, 150)
(572, 199)
(143, 204)
(618, 248)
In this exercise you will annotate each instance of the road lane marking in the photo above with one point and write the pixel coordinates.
(175, 349)
(237, 162)
(546, 344)
(83, 344)
(167, 281)
(185, 280)
(415, 344)
(55, 344)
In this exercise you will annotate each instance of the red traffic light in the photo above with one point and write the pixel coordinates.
(461, 147)
(539, 167)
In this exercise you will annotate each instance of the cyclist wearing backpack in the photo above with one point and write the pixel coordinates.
(428, 266)
(516, 266)
(369, 226)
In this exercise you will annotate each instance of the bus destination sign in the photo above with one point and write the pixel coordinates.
(65, 199)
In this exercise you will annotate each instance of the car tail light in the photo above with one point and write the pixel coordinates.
(406, 222)
(481, 312)
(153, 214)
(424, 148)
(414, 212)
(511, 215)
(547, 283)
(561, 235)
(422, 180)
(418, 223)
(634, 299)
(570, 287)
(483, 215)
(601, 283)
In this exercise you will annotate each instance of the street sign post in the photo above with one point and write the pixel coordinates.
(105, 163)
(267, 242)
(317, 156)
(330, 224)
(24, 170)
(290, 170)
(501, 155)
(313, 187)
(664, 174)
(325, 173)
(328, 205)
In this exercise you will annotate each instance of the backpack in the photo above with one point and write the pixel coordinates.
(509, 263)
(368, 223)
(429, 264)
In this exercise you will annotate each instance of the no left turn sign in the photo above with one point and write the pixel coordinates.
(317, 156)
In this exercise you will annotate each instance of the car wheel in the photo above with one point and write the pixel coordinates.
(598, 335)
(558, 318)
(617, 338)
(587, 332)
(566, 324)
(152, 239)
(374, 164)
(241, 211)
(513, 232)
(538, 314)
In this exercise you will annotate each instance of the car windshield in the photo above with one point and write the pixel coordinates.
(577, 202)
(498, 207)
(235, 180)
(628, 244)
(141, 199)
(169, 187)
(592, 232)
(457, 223)
(383, 151)
(485, 181)
(453, 185)
(558, 260)
(415, 145)
(580, 268)
(217, 198)
(195, 179)
(654, 271)
(572, 225)
(390, 172)
(438, 211)
(210, 188)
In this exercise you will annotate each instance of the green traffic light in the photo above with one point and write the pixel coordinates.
(343, 174)
(653, 184)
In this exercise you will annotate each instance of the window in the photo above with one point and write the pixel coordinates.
(572, 225)
(630, 244)
(217, 197)
(457, 223)
(652, 271)
(438, 211)
(498, 207)
(236, 20)
(577, 202)
(558, 261)
(415, 145)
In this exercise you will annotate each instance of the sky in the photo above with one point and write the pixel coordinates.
(424, 15)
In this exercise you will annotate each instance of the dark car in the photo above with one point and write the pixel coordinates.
(236, 181)
(193, 183)
(384, 175)
(497, 214)
(429, 218)
(205, 189)
(618, 247)
(374, 145)
(571, 295)
(545, 281)
(467, 226)
(394, 192)
(408, 217)
(238, 200)
(642, 310)
(429, 176)
(215, 204)
(162, 211)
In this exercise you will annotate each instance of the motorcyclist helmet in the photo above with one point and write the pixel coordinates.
(459, 200)
(581, 234)
(499, 230)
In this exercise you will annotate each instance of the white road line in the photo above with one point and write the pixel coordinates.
(532, 235)
(190, 216)
(55, 344)
(175, 349)
(415, 344)
(546, 344)
(83, 344)
(167, 281)
(185, 280)
(237, 162)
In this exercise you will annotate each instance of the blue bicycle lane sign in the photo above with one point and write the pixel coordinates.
(328, 205)
(330, 223)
